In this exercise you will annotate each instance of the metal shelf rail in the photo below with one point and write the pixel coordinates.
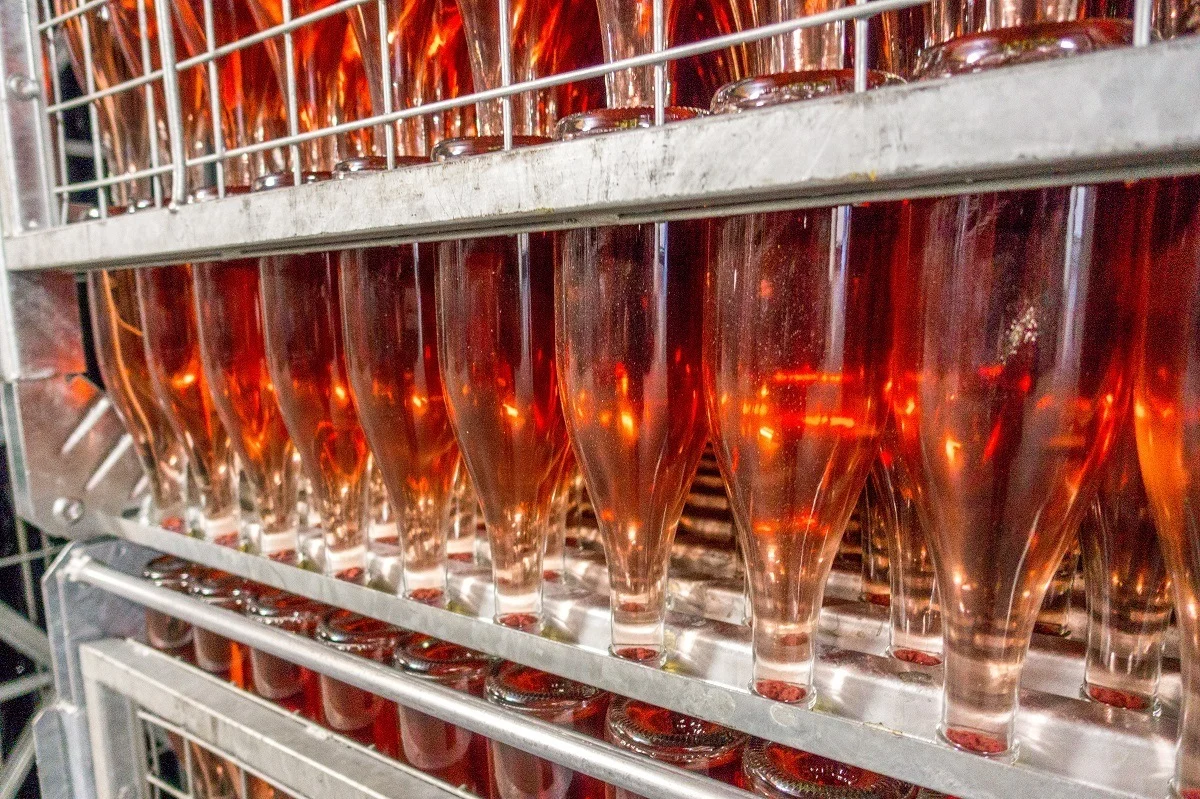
(873, 711)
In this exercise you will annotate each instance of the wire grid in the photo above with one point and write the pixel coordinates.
(176, 162)
(181, 766)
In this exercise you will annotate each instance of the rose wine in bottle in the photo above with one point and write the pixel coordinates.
(1126, 583)
(166, 633)
(445, 751)
(293, 687)
(390, 323)
(673, 738)
(798, 308)
(1010, 374)
(120, 352)
(553, 699)
(172, 344)
(215, 653)
(1166, 415)
(233, 352)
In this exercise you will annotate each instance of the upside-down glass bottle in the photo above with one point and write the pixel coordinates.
(166, 633)
(874, 518)
(557, 700)
(673, 738)
(797, 319)
(778, 772)
(1014, 321)
(389, 316)
(286, 684)
(445, 751)
(1055, 613)
(628, 347)
(172, 343)
(1125, 579)
(916, 630)
(349, 710)
(306, 355)
(215, 653)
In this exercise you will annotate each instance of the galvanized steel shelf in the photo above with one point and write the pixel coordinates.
(1104, 116)
(874, 712)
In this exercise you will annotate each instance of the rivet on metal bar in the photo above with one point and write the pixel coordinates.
(166, 46)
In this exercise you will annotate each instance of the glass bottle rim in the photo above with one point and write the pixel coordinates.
(274, 604)
(372, 163)
(452, 149)
(825, 778)
(599, 121)
(345, 629)
(1026, 44)
(531, 690)
(428, 657)
(681, 740)
(763, 91)
(279, 180)
(217, 587)
(168, 571)
(209, 193)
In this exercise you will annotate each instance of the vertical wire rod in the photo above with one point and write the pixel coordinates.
(166, 47)
(506, 63)
(289, 58)
(59, 131)
(89, 79)
(151, 109)
(861, 44)
(660, 68)
(1143, 19)
(214, 97)
(385, 80)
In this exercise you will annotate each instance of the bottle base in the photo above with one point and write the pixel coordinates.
(525, 622)
(1115, 697)
(646, 655)
(978, 742)
(788, 693)
(917, 656)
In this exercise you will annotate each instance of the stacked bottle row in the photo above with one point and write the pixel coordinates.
(987, 357)
(456, 756)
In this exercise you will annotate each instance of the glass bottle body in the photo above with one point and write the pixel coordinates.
(172, 344)
(1010, 372)
(876, 587)
(496, 333)
(1166, 413)
(233, 351)
(390, 320)
(166, 633)
(121, 355)
(1055, 613)
(629, 350)
(307, 360)
(288, 685)
(445, 751)
(796, 369)
(215, 653)
(347, 709)
(1125, 579)
(520, 775)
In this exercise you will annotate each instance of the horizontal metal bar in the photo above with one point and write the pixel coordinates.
(875, 712)
(971, 133)
(24, 636)
(20, 686)
(269, 742)
(550, 81)
(572, 749)
(124, 177)
(84, 99)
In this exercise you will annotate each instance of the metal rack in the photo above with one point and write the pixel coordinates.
(1122, 114)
